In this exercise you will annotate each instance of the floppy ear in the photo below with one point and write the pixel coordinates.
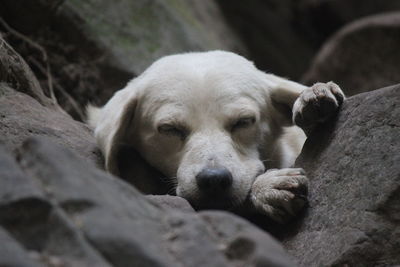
(283, 94)
(119, 138)
(111, 125)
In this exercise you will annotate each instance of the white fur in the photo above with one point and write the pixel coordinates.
(205, 94)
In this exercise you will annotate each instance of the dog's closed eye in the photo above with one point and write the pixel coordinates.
(173, 130)
(243, 122)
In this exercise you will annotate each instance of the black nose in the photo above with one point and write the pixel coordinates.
(214, 180)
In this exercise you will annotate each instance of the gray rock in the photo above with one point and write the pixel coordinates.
(171, 202)
(12, 178)
(362, 56)
(13, 254)
(37, 224)
(353, 163)
(113, 216)
(243, 243)
(136, 33)
(72, 214)
(21, 116)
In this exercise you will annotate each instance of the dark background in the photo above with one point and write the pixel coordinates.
(84, 50)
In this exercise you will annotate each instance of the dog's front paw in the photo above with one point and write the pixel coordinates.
(280, 194)
(316, 104)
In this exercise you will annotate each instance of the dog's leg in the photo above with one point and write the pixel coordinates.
(316, 104)
(280, 194)
(305, 106)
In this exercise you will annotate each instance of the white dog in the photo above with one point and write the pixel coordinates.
(215, 124)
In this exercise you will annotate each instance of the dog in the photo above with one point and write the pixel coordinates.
(222, 130)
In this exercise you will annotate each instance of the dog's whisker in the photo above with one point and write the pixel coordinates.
(171, 182)
(164, 179)
(171, 191)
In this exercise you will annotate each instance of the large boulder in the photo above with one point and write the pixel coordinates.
(139, 32)
(21, 117)
(26, 111)
(95, 47)
(353, 163)
(57, 210)
(363, 55)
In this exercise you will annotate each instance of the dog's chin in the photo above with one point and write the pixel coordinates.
(224, 202)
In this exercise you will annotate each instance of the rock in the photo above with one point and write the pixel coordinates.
(96, 47)
(21, 116)
(12, 254)
(16, 73)
(353, 165)
(14, 184)
(37, 224)
(244, 243)
(69, 213)
(363, 55)
(137, 33)
(171, 202)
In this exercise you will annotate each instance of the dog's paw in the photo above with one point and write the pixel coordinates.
(316, 104)
(280, 194)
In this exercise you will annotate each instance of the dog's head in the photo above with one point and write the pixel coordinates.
(207, 120)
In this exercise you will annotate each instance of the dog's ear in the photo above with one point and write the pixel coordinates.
(283, 93)
(119, 138)
(111, 125)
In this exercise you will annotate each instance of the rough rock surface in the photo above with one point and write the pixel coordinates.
(56, 210)
(171, 202)
(139, 32)
(354, 166)
(21, 116)
(362, 56)
(9, 246)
